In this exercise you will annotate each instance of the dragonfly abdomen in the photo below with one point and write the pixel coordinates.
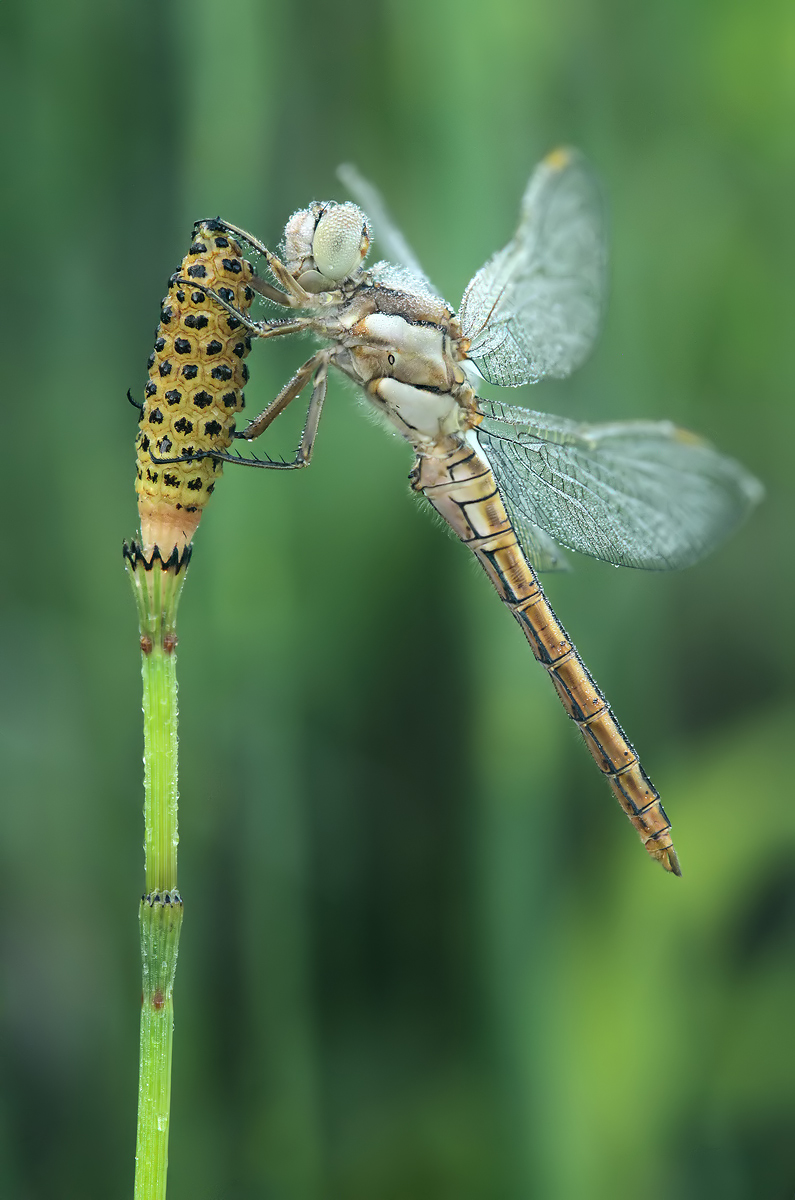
(609, 746)
(462, 488)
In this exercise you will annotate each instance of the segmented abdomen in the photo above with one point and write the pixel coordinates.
(196, 373)
(463, 490)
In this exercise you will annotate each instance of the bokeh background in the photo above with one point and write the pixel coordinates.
(424, 955)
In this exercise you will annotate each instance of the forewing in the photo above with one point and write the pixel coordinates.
(388, 237)
(636, 493)
(535, 308)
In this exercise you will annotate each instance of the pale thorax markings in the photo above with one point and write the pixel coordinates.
(406, 364)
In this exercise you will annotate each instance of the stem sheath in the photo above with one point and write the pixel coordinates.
(161, 919)
(157, 585)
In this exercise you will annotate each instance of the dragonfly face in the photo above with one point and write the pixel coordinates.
(325, 244)
(515, 485)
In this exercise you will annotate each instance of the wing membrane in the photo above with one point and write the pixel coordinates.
(541, 552)
(535, 308)
(636, 493)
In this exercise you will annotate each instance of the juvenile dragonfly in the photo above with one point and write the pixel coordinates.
(514, 485)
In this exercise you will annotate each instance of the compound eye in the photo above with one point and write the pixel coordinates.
(341, 241)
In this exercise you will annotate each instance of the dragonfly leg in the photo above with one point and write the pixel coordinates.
(289, 392)
(297, 297)
(293, 296)
(217, 225)
(303, 455)
(260, 329)
(269, 291)
(317, 365)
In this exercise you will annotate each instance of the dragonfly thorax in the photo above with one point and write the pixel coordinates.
(409, 371)
(409, 352)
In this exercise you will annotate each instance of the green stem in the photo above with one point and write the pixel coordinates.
(161, 919)
(159, 671)
(157, 586)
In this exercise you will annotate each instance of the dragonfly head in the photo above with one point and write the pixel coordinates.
(325, 244)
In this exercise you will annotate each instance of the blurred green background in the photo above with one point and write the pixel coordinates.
(424, 955)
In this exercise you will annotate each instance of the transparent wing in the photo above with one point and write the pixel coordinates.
(388, 237)
(541, 552)
(635, 493)
(535, 308)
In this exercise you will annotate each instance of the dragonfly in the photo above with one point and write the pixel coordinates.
(518, 487)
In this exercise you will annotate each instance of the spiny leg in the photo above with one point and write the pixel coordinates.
(289, 392)
(222, 226)
(261, 329)
(269, 291)
(317, 365)
(217, 225)
(294, 296)
(303, 455)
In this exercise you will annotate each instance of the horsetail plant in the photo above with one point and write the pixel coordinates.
(196, 375)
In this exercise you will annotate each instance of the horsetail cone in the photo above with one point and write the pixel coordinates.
(196, 377)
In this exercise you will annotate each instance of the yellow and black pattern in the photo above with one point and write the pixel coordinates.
(196, 373)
